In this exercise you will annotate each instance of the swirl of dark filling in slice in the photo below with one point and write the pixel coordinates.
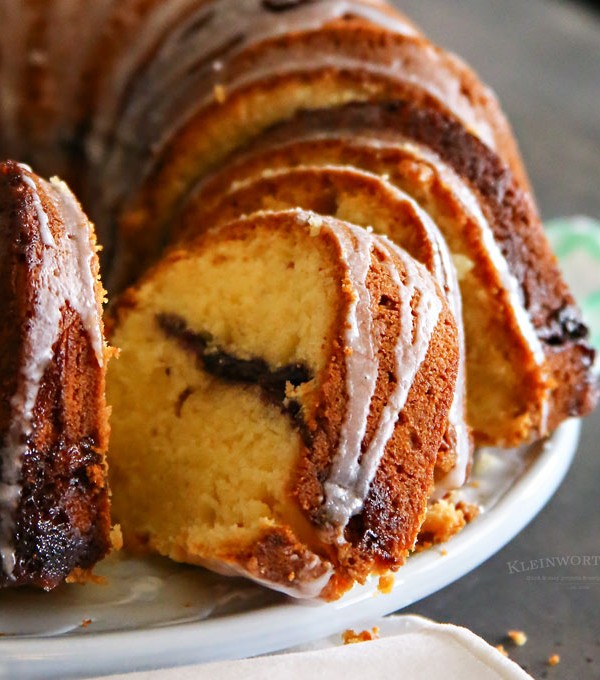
(226, 366)
(283, 5)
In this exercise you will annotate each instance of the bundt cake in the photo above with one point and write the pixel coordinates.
(240, 158)
(294, 403)
(54, 506)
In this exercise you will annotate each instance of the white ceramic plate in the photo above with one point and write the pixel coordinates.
(155, 613)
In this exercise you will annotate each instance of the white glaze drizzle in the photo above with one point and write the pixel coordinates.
(469, 202)
(410, 351)
(64, 277)
(163, 114)
(170, 116)
(80, 291)
(45, 233)
(444, 272)
(182, 49)
(448, 280)
(342, 499)
(442, 85)
(507, 281)
(161, 89)
(352, 472)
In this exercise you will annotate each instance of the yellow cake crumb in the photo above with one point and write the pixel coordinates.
(462, 264)
(351, 637)
(386, 584)
(501, 649)
(469, 510)
(85, 576)
(517, 636)
(554, 660)
(116, 537)
(443, 520)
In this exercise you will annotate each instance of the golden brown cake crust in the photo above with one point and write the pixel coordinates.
(62, 518)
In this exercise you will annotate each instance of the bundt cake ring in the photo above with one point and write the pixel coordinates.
(327, 278)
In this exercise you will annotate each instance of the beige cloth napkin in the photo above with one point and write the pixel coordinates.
(411, 647)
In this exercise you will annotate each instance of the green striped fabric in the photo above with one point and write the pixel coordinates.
(576, 242)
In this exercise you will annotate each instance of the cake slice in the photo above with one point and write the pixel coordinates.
(54, 500)
(297, 373)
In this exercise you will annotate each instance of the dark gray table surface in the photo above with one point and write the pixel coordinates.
(543, 59)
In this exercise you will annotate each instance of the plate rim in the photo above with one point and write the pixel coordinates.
(267, 630)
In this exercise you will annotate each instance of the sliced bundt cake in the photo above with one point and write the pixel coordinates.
(54, 505)
(297, 374)
(160, 94)
(287, 380)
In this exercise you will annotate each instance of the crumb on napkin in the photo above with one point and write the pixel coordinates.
(351, 637)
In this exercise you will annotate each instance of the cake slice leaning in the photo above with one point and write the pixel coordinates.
(54, 500)
(297, 374)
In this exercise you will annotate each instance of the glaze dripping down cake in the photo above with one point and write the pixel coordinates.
(285, 193)
(527, 357)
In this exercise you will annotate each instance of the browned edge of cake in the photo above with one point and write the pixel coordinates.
(53, 418)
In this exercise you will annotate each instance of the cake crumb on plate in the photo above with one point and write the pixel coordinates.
(386, 583)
